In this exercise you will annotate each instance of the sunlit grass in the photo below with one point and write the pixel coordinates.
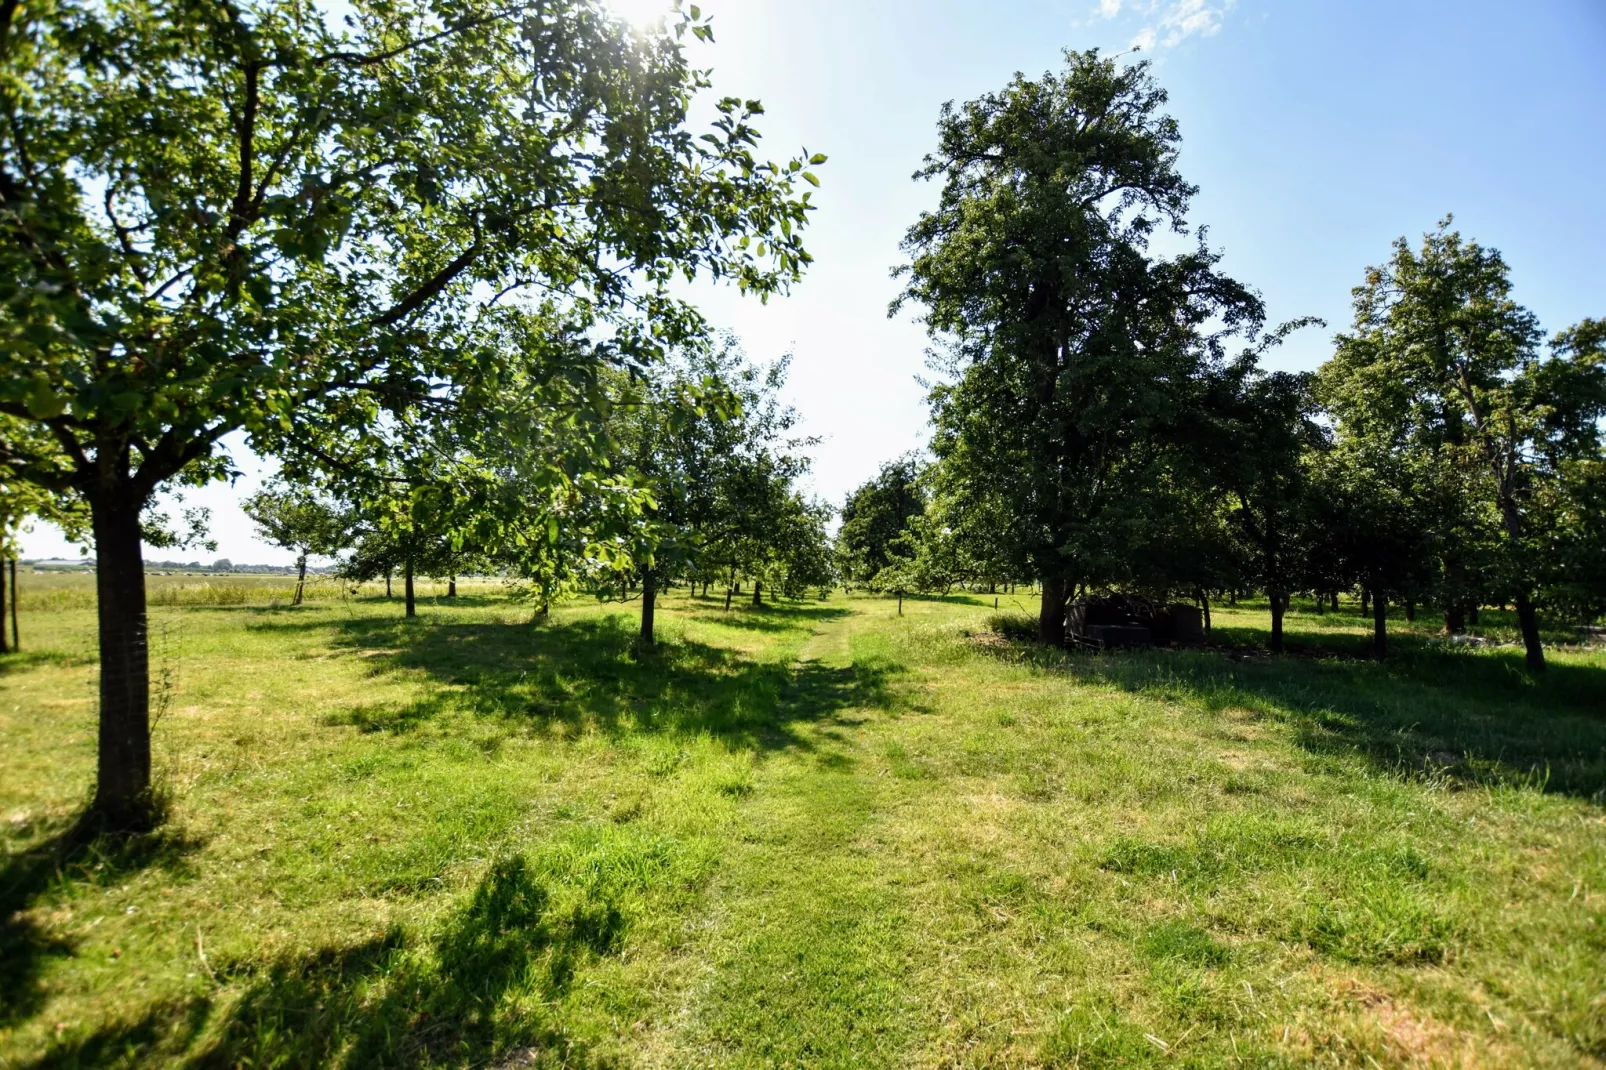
(818, 834)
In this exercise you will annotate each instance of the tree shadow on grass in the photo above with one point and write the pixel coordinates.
(73, 855)
(768, 618)
(29, 660)
(481, 990)
(592, 674)
(1472, 717)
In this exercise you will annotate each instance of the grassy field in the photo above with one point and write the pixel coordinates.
(817, 834)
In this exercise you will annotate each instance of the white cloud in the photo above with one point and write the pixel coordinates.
(1174, 21)
(1109, 8)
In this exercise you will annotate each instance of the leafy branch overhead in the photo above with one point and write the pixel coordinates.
(257, 217)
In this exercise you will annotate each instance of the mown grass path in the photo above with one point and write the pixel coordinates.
(811, 835)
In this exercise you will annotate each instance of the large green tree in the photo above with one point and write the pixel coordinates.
(249, 214)
(1264, 471)
(1077, 354)
(877, 514)
(1444, 365)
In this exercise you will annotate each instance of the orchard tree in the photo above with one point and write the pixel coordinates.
(1374, 509)
(679, 428)
(297, 519)
(925, 557)
(1270, 432)
(1073, 354)
(245, 216)
(876, 514)
(1444, 364)
(802, 558)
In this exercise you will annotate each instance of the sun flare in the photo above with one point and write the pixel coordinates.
(643, 14)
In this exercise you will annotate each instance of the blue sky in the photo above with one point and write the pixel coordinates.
(1317, 131)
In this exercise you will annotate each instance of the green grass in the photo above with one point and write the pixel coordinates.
(817, 834)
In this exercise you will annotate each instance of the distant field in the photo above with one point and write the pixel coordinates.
(812, 835)
(75, 589)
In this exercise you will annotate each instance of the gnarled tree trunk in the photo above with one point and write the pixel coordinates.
(649, 605)
(1380, 625)
(1051, 617)
(758, 593)
(1528, 619)
(1279, 605)
(301, 579)
(123, 774)
(407, 588)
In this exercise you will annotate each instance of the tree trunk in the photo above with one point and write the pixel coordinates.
(1472, 615)
(1455, 620)
(301, 579)
(758, 593)
(900, 603)
(705, 588)
(1527, 617)
(649, 605)
(1204, 604)
(16, 631)
(1333, 605)
(1232, 596)
(1366, 601)
(1321, 603)
(387, 583)
(1410, 610)
(4, 648)
(123, 785)
(1051, 617)
(451, 587)
(407, 588)
(1380, 625)
(1278, 606)
(728, 592)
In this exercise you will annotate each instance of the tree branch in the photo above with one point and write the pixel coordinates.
(374, 58)
(431, 287)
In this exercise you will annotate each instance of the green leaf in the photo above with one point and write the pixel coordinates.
(43, 403)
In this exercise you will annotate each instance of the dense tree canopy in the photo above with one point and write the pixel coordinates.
(1078, 358)
(248, 216)
(1444, 370)
(875, 515)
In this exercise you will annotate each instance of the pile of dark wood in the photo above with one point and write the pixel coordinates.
(1109, 621)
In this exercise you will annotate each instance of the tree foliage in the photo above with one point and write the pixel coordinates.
(1077, 358)
(232, 215)
(1445, 373)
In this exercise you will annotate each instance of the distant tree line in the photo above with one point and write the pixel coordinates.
(696, 486)
(1104, 421)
